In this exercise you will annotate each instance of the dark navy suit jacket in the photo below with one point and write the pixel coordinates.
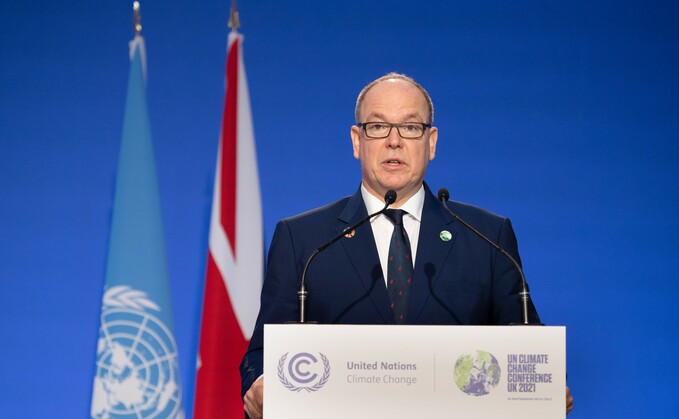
(463, 281)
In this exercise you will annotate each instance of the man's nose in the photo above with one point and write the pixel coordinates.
(394, 139)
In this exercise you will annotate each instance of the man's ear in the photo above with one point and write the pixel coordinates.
(433, 138)
(356, 141)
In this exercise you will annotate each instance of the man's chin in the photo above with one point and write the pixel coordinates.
(403, 191)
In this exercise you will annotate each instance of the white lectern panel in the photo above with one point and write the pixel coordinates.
(351, 371)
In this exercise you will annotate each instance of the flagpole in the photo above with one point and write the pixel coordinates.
(234, 20)
(136, 20)
(138, 40)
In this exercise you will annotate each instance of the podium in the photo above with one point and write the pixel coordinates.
(378, 371)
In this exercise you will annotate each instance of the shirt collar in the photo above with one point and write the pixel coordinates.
(412, 206)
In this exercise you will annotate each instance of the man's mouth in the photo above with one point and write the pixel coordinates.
(393, 162)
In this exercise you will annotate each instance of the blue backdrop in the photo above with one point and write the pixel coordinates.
(561, 115)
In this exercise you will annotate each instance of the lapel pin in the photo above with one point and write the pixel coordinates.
(445, 235)
(350, 234)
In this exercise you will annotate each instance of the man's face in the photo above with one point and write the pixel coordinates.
(393, 162)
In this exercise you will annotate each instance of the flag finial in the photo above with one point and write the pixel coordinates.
(234, 20)
(136, 20)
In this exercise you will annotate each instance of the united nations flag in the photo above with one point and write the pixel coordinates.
(137, 373)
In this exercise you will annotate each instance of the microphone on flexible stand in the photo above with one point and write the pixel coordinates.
(389, 198)
(443, 196)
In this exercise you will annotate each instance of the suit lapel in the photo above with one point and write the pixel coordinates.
(432, 251)
(362, 252)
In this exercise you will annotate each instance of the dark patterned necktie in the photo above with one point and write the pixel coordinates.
(399, 266)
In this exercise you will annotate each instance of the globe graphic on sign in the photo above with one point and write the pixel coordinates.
(477, 374)
(137, 371)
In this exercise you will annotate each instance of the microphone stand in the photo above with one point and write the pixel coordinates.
(443, 196)
(302, 293)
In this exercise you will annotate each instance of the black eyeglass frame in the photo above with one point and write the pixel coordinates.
(391, 126)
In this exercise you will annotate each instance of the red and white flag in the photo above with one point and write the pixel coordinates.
(235, 263)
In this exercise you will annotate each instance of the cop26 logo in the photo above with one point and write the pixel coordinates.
(303, 371)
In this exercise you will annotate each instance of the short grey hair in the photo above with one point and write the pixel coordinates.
(393, 76)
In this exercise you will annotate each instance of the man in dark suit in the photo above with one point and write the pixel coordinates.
(451, 276)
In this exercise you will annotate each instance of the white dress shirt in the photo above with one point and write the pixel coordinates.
(383, 228)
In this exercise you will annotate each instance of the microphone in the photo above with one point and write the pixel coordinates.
(389, 198)
(443, 196)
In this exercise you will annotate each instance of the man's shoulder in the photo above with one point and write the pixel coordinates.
(468, 212)
(311, 228)
(490, 224)
(325, 212)
(475, 214)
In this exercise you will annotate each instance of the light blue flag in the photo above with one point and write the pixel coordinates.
(137, 371)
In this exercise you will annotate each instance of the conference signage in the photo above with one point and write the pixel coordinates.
(366, 371)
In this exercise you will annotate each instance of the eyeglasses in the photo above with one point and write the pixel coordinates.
(409, 130)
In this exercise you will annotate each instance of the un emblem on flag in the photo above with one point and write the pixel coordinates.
(137, 370)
